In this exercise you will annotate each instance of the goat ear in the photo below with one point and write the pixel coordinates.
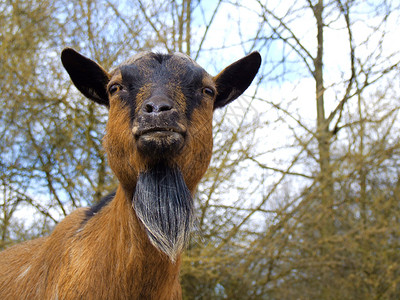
(236, 78)
(88, 77)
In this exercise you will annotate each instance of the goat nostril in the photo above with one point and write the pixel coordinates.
(149, 107)
(165, 107)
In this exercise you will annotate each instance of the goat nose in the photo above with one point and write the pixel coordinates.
(157, 104)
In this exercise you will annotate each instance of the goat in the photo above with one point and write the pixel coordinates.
(158, 143)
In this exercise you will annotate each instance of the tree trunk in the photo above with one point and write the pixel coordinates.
(325, 177)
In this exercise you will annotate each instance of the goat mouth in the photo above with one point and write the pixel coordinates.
(160, 141)
(159, 131)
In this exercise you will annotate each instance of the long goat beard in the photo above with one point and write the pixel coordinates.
(164, 205)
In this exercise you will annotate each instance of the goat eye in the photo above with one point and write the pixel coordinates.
(208, 91)
(116, 87)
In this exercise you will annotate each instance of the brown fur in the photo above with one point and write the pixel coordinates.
(57, 267)
(109, 255)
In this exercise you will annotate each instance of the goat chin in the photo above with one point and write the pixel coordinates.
(164, 205)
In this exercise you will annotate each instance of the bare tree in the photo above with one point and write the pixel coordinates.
(301, 199)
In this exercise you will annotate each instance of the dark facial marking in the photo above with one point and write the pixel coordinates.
(164, 72)
(192, 86)
(132, 81)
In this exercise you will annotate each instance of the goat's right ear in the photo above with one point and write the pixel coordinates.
(88, 76)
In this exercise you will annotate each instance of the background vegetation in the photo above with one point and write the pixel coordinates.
(302, 198)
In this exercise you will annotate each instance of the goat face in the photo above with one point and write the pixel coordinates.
(160, 109)
(162, 99)
(163, 96)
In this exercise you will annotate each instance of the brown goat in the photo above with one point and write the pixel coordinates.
(158, 143)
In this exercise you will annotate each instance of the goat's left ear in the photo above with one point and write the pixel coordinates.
(88, 76)
(236, 78)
